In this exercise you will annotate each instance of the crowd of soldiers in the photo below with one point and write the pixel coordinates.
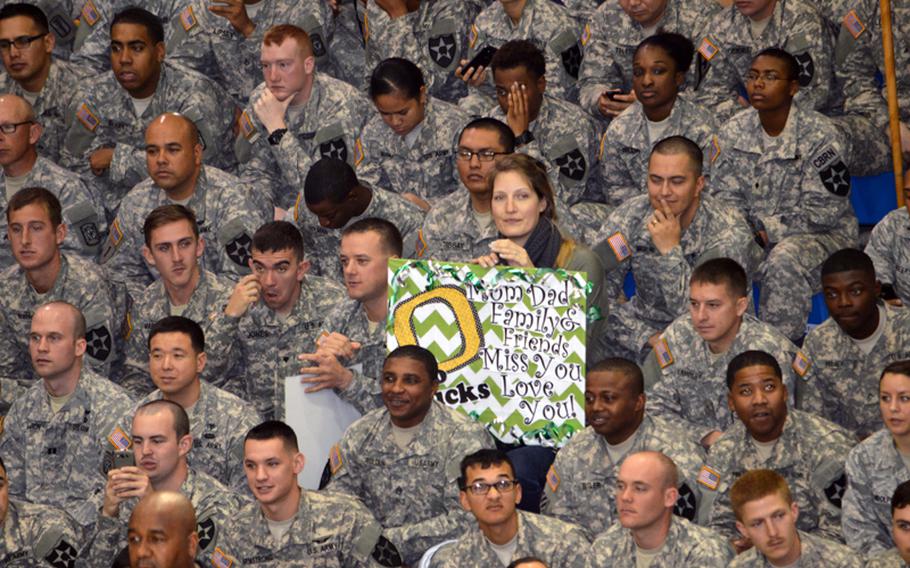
(201, 198)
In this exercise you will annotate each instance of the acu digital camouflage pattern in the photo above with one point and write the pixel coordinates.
(889, 249)
(686, 544)
(38, 535)
(815, 550)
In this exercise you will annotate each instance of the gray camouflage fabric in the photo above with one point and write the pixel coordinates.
(56, 459)
(414, 492)
(810, 456)
(815, 550)
(582, 482)
(686, 544)
(889, 249)
(887, 559)
(38, 536)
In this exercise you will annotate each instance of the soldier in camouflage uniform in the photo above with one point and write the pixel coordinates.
(32, 72)
(661, 243)
(173, 246)
(296, 117)
(545, 24)
(849, 350)
(517, 533)
(34, 535)
(581, 483)
(226, 47)
(407, 144)
(686, 374)
(733, 38)
(899, 556)
(106, 133)
(23, 167)
(646, 483)
(51, 435)
(877, 465)
(160, 441)
(808, 451)
(614, 33)
(889, 249)
(163, 528)
(227, 210)
(43, 274)
(325, 528)
(432, 36)
(59, 17)
(333, 199)
(783, 167)
(402, 461)
(349, 354)
(264, 338)
(762, 500)
(218, 419)
(660, 64)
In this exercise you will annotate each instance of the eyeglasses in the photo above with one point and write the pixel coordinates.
(501, 486)
(483, 155)
(20, 42)
(10, 127)
(767, 77)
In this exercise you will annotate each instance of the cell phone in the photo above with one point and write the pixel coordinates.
(612, 93)
(483, 58)
(123, 458)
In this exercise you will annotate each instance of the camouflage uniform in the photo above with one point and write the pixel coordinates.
(841, 383)
(725, 52)
(54, 458)
(38, 536)
(349, 318)
(328, 126)
(265, 347)
(613, 39)
(625, 148)
(329, 529)
(52, 106)
(809, 454)
(426, 167)
(797, 191)
(581, 484)
(215, 506)
(82, 284)
(555, 542)
(815, 550)
(105, 118)
(662, 281)
(688, 388)
(91, 46)
(227, 213)
(219, 422)
(322, 243)
(432, 37)
(83, 212)
(450, 231)
(346, 45)
(211, 295)
(414, 492)
(888, 559)
(686, 544)
(547, 25)
(874, 470)
(208, 43)
(889, 249)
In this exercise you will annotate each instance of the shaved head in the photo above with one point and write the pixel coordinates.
(15, 108)
(162, 531)
(176, 124)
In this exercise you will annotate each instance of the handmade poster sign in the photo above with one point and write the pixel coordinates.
(511, 341)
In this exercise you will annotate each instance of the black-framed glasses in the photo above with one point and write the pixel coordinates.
(482, 155)
(766, 76)
(501, 486)
(10, 127)
(20, 42)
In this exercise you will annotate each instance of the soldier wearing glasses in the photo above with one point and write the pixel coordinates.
(503, 534)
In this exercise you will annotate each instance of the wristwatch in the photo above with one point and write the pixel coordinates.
(525, 137)
(276, 136)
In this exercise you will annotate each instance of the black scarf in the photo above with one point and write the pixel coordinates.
(543, 244)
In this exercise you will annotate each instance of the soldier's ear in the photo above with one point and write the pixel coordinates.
(147, 255)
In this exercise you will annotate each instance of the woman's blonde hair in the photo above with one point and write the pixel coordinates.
(533, 171)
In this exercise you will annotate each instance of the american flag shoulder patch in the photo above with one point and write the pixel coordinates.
(801, 364)
(708, 477)
(220, 559)
(119, 439)
(87, 117)
(553, 479)
(188, 19)
(854, 25)
(707, 49)
(664, 355)
(90, 14)
(620, 246)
